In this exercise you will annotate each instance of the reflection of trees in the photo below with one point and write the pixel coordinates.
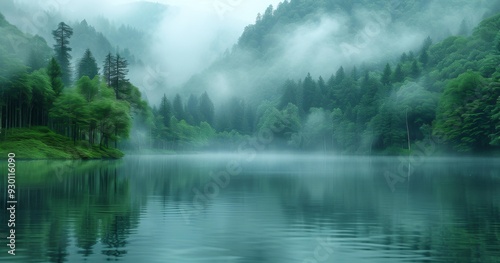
(88, 193)
(57, 242)
(86, 232)
(114, 236)
(447, 211)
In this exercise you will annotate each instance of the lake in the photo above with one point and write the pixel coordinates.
(263, 208)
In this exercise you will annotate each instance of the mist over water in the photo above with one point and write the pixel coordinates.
(280, 208)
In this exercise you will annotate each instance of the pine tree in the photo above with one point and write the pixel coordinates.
(54, 72)
(404, 57)
(339, 75)
(309, 93)
(62, 35)
(427, 43)
(463, 30)
(191, 111)
(354, 73)
(108, 68)
(165, 111)
(386, 76)
(207, 109)
(115, 72)
(119, 79)
(178, 108)
(236, 114)
(87, 66)
(415, 69)
(424, 57)
(289, 94)
(398, 75)
(424, 53)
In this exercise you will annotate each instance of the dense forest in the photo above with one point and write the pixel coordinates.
(447, 88)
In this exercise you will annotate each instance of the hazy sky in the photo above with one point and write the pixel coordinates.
(243, 11)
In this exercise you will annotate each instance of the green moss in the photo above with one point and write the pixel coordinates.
(42, 143)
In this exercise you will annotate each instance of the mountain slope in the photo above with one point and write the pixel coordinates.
(301, 36)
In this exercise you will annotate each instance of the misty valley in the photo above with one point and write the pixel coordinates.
(250, 131)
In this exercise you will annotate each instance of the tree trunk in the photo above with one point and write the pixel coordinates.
(116, 139)
(100, 141)
(1, 110)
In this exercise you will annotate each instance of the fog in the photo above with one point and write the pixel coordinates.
(182, 39)
(364, 38)
(242, 52)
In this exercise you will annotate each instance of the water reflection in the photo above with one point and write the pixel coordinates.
(278, 209)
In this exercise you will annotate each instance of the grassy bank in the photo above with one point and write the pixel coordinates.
(42, 143)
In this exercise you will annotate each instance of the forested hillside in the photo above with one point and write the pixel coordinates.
(365, 103)
(40, 88)
(323, 90)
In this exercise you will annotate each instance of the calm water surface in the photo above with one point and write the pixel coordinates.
(223, 208)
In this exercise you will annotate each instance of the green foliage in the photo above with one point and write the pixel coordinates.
(290, 94)
(283, 124)
(465, 117)
(42, 143)
(55, 74)
(386, 76)
(71, 108)
(178, 108)
(206, 109)
(87, 66)
(88, 88)
(398, 75)
(164, 111)
(310, 93)
(61, 36)
(115, 73)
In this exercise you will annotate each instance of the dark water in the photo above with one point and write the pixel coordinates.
(270, 209)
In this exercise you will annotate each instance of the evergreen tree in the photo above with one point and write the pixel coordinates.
(309, 93)
(207, 109)
(411, 56)
(398, 75)
(62, 35)
(424, 57)
(404, 57)
(415, 69)
(87, 66)
(386, 76)
(178, 108)
(424, 53)
(427, 43)
(191, 110)
(236, 113)
(463, 30)
(54, 72)
(115, 72)
(119, 79)
(339, 75)
(108, 68)
(354, 73)
(322, 90)
(290, 91)
(165, 111)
